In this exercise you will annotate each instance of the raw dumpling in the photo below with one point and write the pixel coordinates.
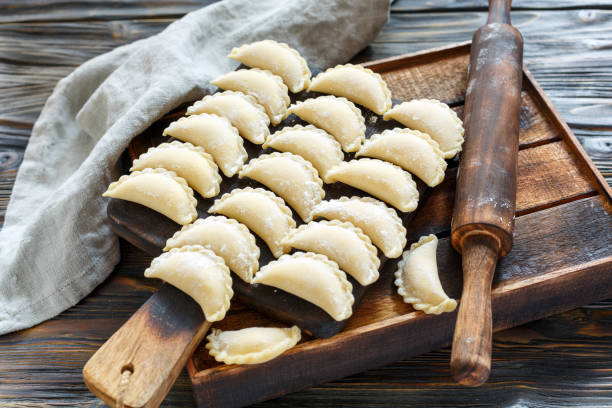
(434, 118)
(342, 243)
(311, 277)
(313, 144)
(216, 135)
(381, 179)
(373, 217)
(411, 150)
(198, 272)
(337, 116)
(356, 83)
(252, 345)
(243, 112)
(160, 190)
(291, 177)
(417, 278)
(267, 88)
(188, 161)
(227, 238)
(277, 58)
(264, 213)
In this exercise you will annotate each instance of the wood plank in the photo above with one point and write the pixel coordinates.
(38, 10)
(544, 246)
(537, 365)
(572, 72)
(548, 175)
(43, 365)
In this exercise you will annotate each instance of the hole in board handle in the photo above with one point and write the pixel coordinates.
(128, 367)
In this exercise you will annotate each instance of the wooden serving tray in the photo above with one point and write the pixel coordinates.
(562, 254)
(561, 259)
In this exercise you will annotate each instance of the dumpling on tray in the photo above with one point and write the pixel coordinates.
(198, 272)
(242, 111)
(262, 211)
(337, 116)
(160, 190)
(188, 161)
(373, 217)
(417, 278)
(216, 135)
(357, 84)
(381, 179)
(278, 58)
(312, 277)
(433, 117)
(227, 238)
(267, 88)
(252, 345)
(313, 144)
(291, 177)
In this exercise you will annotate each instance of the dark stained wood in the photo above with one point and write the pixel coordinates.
(562, 360)
(383, 316)
(548, 175)
(137, 366)
(485, 197)
(149, 230)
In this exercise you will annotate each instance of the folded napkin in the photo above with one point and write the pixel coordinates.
(55, 244)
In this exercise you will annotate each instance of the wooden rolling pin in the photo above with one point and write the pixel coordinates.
(485, 200)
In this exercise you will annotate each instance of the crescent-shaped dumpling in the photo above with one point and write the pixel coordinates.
(411, 150)
(198, 272)
(160, 190)
(263, 212)
(381, 179)
(313, 144)
(291, 177)
(216, 135)
(356, 83)
(342, 243)
(417, 278)
(373, 217)
(227, 238)
(313, 278)
(278, 58)
(267, 88)
(434, 118)
(337, 116)
(243, 112)
(252, 345)
(188, 161)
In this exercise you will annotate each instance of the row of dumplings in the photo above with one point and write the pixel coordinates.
(247, 107)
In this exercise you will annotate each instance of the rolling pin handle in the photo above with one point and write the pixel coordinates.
(499, 11)
(471, 353)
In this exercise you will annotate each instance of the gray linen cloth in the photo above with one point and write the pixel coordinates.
(55, 246)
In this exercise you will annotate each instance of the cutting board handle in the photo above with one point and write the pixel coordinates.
(137, 366)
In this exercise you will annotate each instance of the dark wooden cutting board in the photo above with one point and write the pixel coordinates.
(562, 256)
(149, 230)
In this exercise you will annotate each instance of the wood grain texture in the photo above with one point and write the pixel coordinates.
(138, 365)
(519, 281)
(485, 196)
(563, 360)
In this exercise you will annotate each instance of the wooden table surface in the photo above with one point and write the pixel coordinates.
(563, 360)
